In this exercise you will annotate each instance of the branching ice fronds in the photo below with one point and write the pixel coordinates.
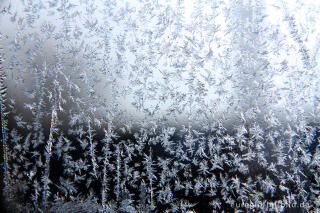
(118, 171)
(165, 138)
(216, 203)
(187, 186)
(148, 162)
(92, 150)
(201, 151)
(107, 142)
(190, 142)
(164, 196)
(152, 60)
(304, 52)
(4, 123)
(203, 168)
(268, 185)
(51, 132)
(199, 186)
(45, 178)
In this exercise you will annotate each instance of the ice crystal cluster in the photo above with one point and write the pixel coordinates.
(160, 105)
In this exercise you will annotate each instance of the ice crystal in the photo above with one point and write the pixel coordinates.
(160, 106)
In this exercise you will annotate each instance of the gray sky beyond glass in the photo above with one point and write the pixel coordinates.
(152, 55)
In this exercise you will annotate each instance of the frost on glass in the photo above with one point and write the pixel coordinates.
(160, 106)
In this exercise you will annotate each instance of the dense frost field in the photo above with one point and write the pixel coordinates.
(160, 106)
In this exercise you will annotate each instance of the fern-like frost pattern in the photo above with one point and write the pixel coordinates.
(160, 106)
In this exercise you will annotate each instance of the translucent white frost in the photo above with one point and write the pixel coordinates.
(160, 106)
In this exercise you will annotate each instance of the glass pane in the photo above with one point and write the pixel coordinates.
(160, 106)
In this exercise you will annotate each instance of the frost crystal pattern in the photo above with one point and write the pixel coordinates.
(160, 106)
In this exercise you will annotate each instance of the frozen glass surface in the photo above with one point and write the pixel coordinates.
(160, 106)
